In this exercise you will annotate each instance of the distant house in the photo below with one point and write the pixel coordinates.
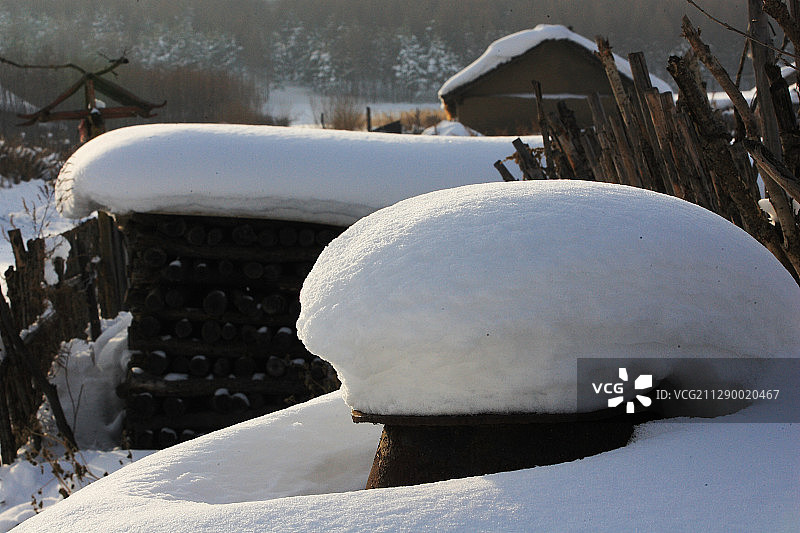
(494, 94)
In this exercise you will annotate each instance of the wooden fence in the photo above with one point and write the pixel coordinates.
(91, 283)
(683, 148)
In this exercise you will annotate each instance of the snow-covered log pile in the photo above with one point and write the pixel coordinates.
(223, 223)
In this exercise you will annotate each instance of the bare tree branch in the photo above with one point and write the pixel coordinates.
(114, 63)
(52, 67)
(722, 77)
(734, 30)
(778, 10)
(774, 168)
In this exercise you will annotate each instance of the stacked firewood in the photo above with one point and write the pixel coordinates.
(683, 146)
(214, 302)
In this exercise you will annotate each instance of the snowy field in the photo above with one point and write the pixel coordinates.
(302, 106)
(304, 468)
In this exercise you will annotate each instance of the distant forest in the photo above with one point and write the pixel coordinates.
(231, 53)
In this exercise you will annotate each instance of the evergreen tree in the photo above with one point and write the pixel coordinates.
(442, 61)
(411, 69)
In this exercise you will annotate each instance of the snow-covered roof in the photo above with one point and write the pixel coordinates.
(302, 174)
(507, 48)
(451, 127)
(480, 299)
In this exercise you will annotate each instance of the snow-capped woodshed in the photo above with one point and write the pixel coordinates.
(494, 94)
(222, 225)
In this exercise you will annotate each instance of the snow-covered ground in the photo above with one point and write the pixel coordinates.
(302, 469)
(86, 380)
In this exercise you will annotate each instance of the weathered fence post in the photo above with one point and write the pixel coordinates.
(8, 444)
(18, 353)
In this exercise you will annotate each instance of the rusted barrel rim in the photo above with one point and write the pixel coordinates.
(482, 419)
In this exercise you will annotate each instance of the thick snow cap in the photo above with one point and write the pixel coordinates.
(303, 174)
(479, 299)
(507, 48)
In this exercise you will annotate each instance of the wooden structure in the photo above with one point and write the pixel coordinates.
(41, 315)
(215, 301)
(501, 101)
(94, 114)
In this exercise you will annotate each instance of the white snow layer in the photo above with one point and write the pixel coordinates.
(56, 246)
(299, 174)
(479, 299)
(507, 48)
(450, 127)
(86, 381)
(299, 470)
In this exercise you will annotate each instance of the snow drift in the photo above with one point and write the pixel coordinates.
(299, 470)
(479, 299)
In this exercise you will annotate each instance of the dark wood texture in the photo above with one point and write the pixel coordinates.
(414, 454)
(214, 303)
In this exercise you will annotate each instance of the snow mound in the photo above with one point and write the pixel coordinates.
(479, 299)
(301, 174)
(308, 449)
(507, 48)
(450, 127)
